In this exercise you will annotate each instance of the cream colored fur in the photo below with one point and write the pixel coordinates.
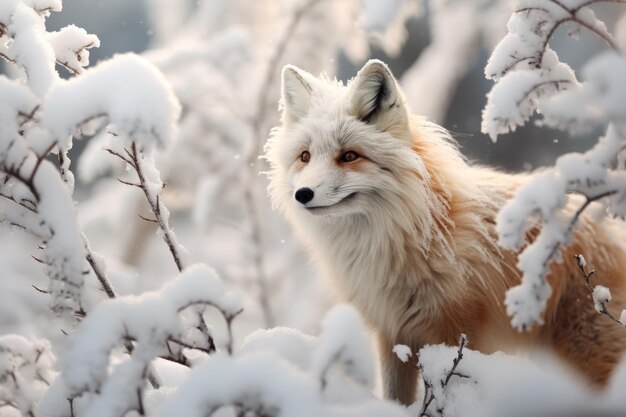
(413, 244)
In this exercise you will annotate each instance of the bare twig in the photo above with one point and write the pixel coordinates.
(147, 219)
(184, 344)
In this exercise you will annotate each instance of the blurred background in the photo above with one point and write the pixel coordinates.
(223, 59)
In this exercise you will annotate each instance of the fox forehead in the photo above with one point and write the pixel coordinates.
(327, 135)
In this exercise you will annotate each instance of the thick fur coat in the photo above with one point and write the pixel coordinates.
(404, 228)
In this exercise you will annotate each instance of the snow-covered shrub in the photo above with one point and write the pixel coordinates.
(151, 322)
(39, 115)
(282, 372)
(26, 370)
(530, 78)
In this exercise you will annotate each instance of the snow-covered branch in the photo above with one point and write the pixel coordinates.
(295, 363)
(434, 394)
(530, 77)
(600, 294)
(151, 321)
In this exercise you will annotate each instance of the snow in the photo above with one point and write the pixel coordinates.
(130, 91)
(149, 319)
(601, 296)
(30, 48)
(516, 96)
(26, 367)
(504, 385)
(290, 344)
(343, 342)
(16, 99)
(71, 47)
(65, 249)
(243, 381)
(601, 98)
(403, 352)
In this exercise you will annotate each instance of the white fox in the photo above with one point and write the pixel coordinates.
(403, 227)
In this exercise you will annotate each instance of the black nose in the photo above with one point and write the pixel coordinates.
(304, 195)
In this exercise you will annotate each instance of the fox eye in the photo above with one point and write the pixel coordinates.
(349, 156)
(305, 156)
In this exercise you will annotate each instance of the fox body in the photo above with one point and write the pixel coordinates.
(404, 228)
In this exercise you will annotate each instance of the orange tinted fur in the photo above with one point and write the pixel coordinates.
(582, 337)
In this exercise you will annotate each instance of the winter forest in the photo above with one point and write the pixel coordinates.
(144, 270)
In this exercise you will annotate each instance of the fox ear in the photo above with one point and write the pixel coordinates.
(296, 93)
(376, 98)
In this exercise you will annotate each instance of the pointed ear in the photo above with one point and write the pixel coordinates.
(376, 98)
(296, 93)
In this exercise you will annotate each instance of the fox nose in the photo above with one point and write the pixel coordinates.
(304, 195)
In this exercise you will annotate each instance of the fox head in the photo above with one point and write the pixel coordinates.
(342, 150)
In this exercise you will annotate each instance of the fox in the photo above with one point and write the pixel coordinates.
(403, 227)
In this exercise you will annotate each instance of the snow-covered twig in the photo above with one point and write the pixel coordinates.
(149, 182)
(158, 209)
(405, 354)
(601, 295)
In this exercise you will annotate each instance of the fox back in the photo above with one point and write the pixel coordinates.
(403, 227)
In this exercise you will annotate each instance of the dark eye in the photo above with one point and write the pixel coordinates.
(305, 156)
(349, 156)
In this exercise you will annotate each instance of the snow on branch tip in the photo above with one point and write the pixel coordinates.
(135, 97)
